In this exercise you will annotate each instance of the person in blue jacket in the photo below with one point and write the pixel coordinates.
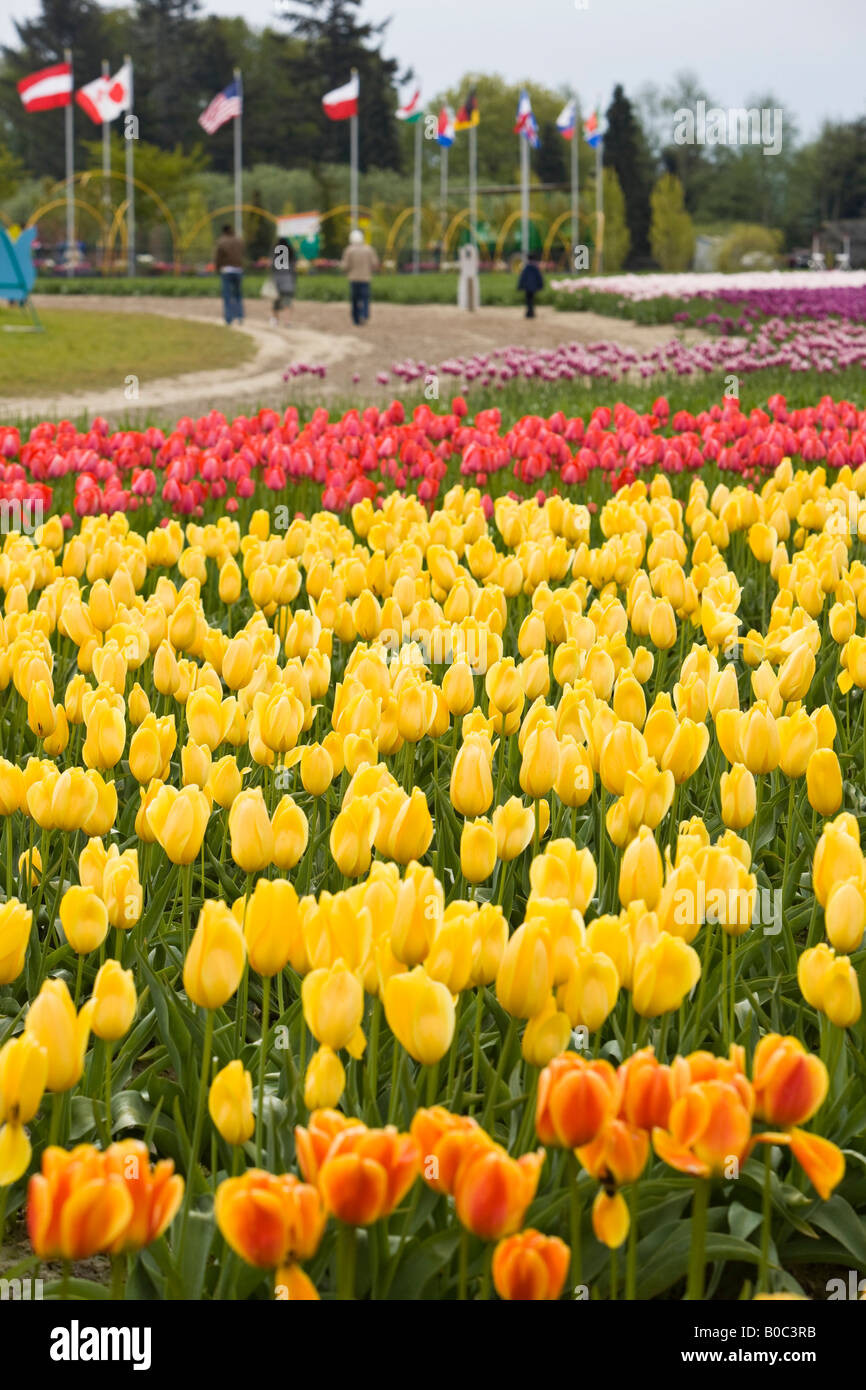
(531, 283)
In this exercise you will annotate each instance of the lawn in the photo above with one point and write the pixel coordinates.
(88, 350)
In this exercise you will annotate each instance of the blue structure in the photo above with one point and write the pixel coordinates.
(17, 272)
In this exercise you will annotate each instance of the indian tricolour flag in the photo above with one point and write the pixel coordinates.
(412, 110)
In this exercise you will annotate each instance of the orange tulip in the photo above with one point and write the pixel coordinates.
(270, 1219)
(647, 1090)
(790, 1084)
(294, 1286)
(575, 1099)
(156, 1192)
(530, 1267)
(618, 1153)
(823, 1161)
(367, 1172)
(445, 1142)
(492, 1190)
(314, 1142)
(709, 1125)
(74, 1208)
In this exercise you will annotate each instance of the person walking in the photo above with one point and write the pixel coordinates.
(229, 265)
(531, 283)
(283, 278)
(360, 263)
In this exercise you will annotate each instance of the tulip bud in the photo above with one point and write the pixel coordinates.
(84, 919)
(477, 850)
(114, 1001)
(324, 1080)
(53, 1022)
(739, 797)
(230, 1103)
(420, 1014)
(16, 921)
(824, 782)
(215, 960)
(641, 874)
(525, 976)
(333, 1003)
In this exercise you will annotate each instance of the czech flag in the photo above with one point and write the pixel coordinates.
(592, 130)
(445, 133)
(342, 102)
(47, 88)
(567, 120)
(468, 115)
(526, 124)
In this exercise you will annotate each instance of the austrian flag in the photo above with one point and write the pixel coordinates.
(342, 102)
(47, 88)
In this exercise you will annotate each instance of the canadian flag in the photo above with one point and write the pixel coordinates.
(47, 88)
(342, 102)
(105, 97)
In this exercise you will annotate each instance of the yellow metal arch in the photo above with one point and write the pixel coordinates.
(453, 225)
(61, 203)
(86, 175)
(395, 227)
(554, 228)
(507, 225)
(344, 207)
(223, 212)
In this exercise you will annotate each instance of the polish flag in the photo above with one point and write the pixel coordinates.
(342, 102)
(105, 97)
(47, 88)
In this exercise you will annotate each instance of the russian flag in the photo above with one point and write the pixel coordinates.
(567, 120)
(592, 130)
(342, 102)
(445, 133)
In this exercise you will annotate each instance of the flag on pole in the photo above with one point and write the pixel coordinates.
(47, 88)
(526, 124)
(225, 106)
(445, 132)
(342, 102)
(468, 115)
(592, 131)
(412, 110)
(567, 120)
(105, 97)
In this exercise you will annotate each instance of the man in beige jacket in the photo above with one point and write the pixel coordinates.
(360, 263)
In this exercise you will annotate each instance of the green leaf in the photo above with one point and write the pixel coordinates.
(839, 1219)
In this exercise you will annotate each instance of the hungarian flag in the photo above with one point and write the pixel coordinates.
(47, 88)
(445, 133)
(526, 124)
(105, 97)
(342, 102)
(592, 129)
(412, 110)
(567, 120)
(468, 115)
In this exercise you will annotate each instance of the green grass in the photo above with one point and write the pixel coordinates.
(497, 287)
(84, 350)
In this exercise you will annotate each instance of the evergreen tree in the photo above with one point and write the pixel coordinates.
(672, 236)
(626, 152)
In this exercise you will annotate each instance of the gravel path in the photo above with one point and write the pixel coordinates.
(321, 334)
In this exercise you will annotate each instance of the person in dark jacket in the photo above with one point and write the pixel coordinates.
(229, 265)
(531, 283)
(283, 277)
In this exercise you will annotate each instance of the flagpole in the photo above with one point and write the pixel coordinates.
(416, 221)
(353, 164)
(524, 195)
(473, 185)
(70, 174)
(575, 208)
(443, 195)
(239, 197)
(106, 173)
(131, 262)
(599, 205)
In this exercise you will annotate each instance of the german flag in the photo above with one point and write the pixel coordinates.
(467, 116)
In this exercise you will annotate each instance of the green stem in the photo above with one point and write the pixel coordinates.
(766, 1215)
(631, 1254)
(346, 1257)
(109, 1050)
(199, 1120)
(697, 1262)
(263, 1053)
(575, 1216)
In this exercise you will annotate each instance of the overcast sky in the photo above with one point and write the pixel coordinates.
(808, 52)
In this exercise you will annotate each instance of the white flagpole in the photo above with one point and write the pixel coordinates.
(575, 211)
(599, 202)
(132, 263)
(353, 164)
(524, 195)
(443, 193)
(70, 174)
(106, 172)
(239, 197)
(473, 185)
(416, 221)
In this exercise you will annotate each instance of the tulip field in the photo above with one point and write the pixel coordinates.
(430, 852)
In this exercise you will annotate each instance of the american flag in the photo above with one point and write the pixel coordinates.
(223, 107)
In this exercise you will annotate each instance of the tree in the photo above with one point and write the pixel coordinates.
(672, 235)
(626, 152)
(616, 234)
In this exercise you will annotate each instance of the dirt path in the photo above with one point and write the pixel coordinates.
(322, 335)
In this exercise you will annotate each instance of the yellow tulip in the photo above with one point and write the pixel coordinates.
(215, 960)
(421, 1015)
(52, 1021)
(230, 1103)
(114, 1001)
